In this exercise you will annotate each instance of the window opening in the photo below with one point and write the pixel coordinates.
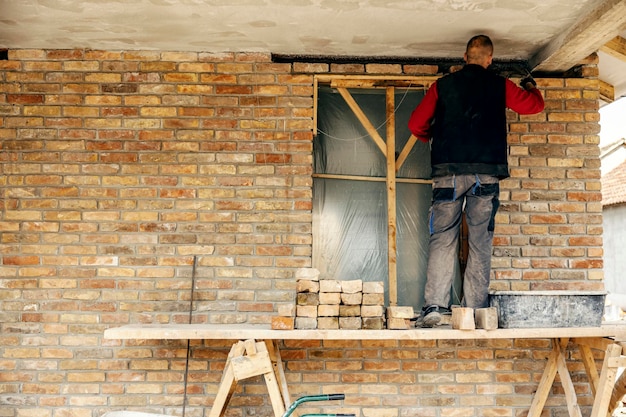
(371, 186)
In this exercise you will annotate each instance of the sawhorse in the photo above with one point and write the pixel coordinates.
(248, 359)
(601, 385)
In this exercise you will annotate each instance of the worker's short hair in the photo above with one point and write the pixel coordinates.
(479, 46)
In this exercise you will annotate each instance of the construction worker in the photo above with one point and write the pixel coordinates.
(463, 116)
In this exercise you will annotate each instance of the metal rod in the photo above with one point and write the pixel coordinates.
(193, 284)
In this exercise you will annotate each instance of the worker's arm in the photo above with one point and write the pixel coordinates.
(527, 100)
(422, 116)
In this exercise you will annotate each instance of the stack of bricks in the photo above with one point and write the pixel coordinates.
(333, 304)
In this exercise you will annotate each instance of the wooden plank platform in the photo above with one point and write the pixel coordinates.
(245, 331)
(607, 336)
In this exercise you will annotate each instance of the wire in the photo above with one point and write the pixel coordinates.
(378, 128)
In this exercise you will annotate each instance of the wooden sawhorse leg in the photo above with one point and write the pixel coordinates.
(556, 363)
(279, 371)
(601, 385)
(247, 359)
(612, 361)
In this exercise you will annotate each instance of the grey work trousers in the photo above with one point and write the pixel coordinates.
(480, 195)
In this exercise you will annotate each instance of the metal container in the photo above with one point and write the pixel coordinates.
(538, 309)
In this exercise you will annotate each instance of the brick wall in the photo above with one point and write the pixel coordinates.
(119, 167)
(549, 232)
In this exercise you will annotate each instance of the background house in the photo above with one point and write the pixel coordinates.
(613, 156)
(614, 218)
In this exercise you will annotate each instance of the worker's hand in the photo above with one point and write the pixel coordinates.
(528, 83)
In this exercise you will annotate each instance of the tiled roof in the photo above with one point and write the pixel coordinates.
(614, 186)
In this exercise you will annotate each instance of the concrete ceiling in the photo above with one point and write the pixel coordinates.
(550, 35)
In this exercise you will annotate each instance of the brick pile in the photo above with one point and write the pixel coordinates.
(332, 304)
(335, 304)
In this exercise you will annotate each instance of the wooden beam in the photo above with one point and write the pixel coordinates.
(582, 39)
(373, 81)
(405, 152)
(315, 100)
(597, 343)
(607, 92)
(369, 127)
(586, 355)
(616, 47)
(372, 179)
(391, 196)
(246, 330)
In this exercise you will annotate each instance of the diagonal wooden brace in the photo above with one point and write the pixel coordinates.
(606, 381)
(247, 359)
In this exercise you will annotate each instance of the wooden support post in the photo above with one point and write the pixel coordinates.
(391, 196)
(388, 149)
(606, 382)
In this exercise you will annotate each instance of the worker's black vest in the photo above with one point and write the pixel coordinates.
(469, 130)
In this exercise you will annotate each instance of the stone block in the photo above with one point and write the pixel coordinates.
(395, 323)
(372, 311)
(463, 318)
(373, 323)
(352, 286)
(328, 310)
(283, 323)
(304, 286)
(307, 299)
(373, 299)
(351, 299)
(287, 310)
(351, 323)
(486, 318)
(310, 274)
(330, 285)
(306, 323)
(328, 323)
(400, 312)
(330, 298)
(374, 287)
(306, 311)
(349, 311)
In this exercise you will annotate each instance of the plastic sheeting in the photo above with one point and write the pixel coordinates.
(350, 216)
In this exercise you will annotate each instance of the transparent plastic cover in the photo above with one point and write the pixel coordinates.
(350, 238)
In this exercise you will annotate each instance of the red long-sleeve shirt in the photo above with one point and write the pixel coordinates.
(517, 99)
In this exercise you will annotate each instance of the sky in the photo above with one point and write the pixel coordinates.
(612, 122)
